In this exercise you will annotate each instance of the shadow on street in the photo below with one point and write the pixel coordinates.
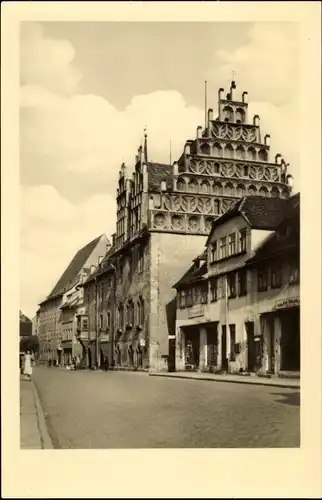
(288, 398)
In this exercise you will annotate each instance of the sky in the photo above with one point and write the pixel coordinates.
(88, 90)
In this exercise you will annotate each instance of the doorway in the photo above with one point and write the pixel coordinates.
(290, 340)
(271, 345)
(192, 348)
(251, 354)
(224, 359)
(212, 345)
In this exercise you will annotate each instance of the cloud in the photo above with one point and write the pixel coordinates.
(52, 230)
(71, 144)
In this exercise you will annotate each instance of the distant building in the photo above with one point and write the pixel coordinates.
(51, 328)
(25, 329)
(164, 214)
(238, 306)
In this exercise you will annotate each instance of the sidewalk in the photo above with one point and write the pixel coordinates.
(238, 379)
(33, 430)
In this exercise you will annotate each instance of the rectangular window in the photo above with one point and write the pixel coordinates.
(242, 278)
(101, 322)
(231, 283)
(242, 240)
(232, 330)
(232, 244)
(85, 324)
(182, 299)
(189, 298)
(223, 248)
(294, 272)
(108, 320)
(213, 290)
(140, 260)
(262, 284)
(276, 276)
(204, 294)
(214, 251)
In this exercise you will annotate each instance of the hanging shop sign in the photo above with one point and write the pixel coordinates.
(285, 303)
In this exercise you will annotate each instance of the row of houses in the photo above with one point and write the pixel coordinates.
(137, 301)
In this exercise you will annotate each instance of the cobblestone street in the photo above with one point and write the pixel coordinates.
(133, 410)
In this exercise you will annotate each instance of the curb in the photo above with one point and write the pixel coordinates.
(208, 379)
(46, 442)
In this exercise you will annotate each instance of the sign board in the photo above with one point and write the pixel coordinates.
(195, 311)
(171, 337)
(291, 302)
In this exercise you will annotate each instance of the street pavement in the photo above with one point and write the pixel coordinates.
(100, 410)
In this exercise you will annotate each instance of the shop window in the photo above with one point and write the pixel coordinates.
(262, 280)
(232, 244)
(214, 251)
(213, 290)
(242, 240)
(242, 279)
(231, 283)
(223, 248)
(276, 276)
(232, 331)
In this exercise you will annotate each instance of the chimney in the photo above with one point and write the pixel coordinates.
(163, 185)
(256, 120)
(267, 140)
(175, 168)
(221, 94)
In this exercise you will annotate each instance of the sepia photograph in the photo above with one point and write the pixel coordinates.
(167, 197)
(161, 182)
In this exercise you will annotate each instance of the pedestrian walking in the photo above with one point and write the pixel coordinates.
(27, 366)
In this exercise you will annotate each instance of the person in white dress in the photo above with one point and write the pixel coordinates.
(27, 367)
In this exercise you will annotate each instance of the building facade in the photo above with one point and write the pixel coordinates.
(51, 328)
(164, 214)
(238, 304)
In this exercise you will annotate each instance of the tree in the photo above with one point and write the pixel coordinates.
(30, 343)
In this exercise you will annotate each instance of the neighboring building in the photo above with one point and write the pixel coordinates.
(238, 304)
(50, 324)
(35, 324)
(97, 327)
(25, 325)
(164, 214)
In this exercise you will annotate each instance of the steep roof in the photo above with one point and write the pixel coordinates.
(193, 274)
(259, 212)
(158, 172)
(281, 241)
(104, 267)
(72, 270)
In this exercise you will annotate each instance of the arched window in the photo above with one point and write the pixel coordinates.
(262, 155)
(193, 185)
(120, 320)
(275, 192)
(229, 189)
(205, 187)
(251, 154)
(228, 114)
(252, 190)
(240, 153)
(140, 311)
(263, 191)
(245, 171)
(229, 152)
(216, 168)
(240, 190)
(217, 188)
(240, 115)
(205, 149)
(217, 206)
(217, 150)
(181, 184)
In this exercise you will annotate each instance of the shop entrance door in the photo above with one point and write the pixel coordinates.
(192, 336)
(290, 340)
(251, 354)
(212, 345)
